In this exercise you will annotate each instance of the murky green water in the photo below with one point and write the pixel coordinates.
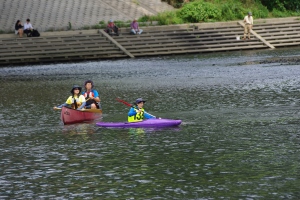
(239, 138)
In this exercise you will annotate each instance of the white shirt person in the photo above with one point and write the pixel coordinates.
(248, 20)
(28, 27)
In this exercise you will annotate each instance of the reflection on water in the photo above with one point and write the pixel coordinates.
(79, 129)
(239, 138)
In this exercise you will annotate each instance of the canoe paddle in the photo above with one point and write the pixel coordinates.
(130, 105)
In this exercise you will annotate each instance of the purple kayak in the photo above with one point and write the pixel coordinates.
(149, 123)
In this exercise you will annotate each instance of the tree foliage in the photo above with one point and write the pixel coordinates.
(292, 5)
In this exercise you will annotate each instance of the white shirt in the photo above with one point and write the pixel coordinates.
(247, 20)
(27, 26)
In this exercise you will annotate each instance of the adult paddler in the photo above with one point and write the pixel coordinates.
(91, 95)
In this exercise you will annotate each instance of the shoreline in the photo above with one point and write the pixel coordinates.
(77, 45)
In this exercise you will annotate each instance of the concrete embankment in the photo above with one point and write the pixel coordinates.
(154, 41)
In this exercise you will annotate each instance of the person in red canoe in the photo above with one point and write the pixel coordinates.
(91, 96)
(137, 112)
(76, 101)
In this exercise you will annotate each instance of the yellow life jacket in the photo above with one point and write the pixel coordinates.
(138, 117)
(75, 103)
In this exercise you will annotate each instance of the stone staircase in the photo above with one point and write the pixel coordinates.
(280, 34)
(59, 48)
(154, 41)
(168, 41)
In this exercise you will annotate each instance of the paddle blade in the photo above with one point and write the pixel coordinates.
(124, 102)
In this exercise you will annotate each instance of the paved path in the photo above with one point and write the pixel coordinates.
(56, 14)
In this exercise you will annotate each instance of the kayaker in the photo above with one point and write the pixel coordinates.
(137, 112)
(91, 96)
(76, 101)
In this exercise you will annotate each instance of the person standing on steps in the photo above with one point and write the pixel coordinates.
(248, 20)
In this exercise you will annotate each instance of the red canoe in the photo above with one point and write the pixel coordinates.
(71, 116)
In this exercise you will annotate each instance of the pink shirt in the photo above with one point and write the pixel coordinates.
(134, 25)
(110, 25)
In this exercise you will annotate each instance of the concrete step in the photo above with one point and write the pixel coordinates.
(287, 44)
(284, 30)
(36, 58)
(277, 37)
(67, 40)
(285, 41)
(54, 46)
(174, 39)
(61, 52)
(277, 25)
(57, 59)
(181, 34)
(186, 47)
(188, 51)
(16, 51)
(280, 34)
(187, 42)
(196, 45)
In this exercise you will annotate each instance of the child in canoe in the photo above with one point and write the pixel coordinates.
(76, 101)
(137, 112)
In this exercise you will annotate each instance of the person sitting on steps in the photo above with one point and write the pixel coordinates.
(28, 28)
(134, 26)
(112, 28)
(19, 28)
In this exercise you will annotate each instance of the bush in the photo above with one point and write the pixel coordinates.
(145, 18)
(232, 10)
(282, 6)
(168, 17)
(278, 13)
(86, 27)
(97, 26)
(261, 11)
(200, 11)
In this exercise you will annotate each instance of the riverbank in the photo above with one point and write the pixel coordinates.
(70, 46)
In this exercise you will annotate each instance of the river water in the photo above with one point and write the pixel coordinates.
(239, 138)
